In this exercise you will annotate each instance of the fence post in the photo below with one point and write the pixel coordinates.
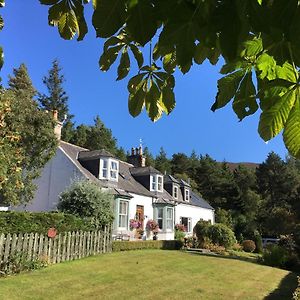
(2, 239)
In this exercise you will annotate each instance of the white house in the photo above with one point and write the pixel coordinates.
(141, 193)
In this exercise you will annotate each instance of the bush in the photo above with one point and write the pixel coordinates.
(18, 263)
(248, 246)
(179, 235)
(296, 294)
(221, 235)
(258, 242)
(85, 199)
(25, 222)
(139, 245)
(201, 231)
(275, 256)
(237, 247)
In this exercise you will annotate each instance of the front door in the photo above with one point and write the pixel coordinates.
(140, 214)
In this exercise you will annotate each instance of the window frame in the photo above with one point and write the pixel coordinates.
(167, 223)
(109, 169)
(126, 215)
(189, 224)
(175, 187)
(186, 195)
(154, 183)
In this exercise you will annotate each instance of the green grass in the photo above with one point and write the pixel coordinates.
(151, 274)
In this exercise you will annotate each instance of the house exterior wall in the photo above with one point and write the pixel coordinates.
(56, 176)
(195, 213)
(144, 201)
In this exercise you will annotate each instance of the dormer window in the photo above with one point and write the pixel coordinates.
(156, 183)
(109, 169)
(186, 195)
(175, 191)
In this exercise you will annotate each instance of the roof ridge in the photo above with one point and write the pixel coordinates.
(61, 141)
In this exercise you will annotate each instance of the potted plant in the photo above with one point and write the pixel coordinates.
(152, 227)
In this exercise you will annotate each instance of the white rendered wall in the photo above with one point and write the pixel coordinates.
(56, 176)
(194, 212)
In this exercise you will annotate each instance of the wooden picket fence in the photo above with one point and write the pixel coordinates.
(64, 247)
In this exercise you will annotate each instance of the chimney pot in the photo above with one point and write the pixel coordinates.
(55, 114)
(132, 151)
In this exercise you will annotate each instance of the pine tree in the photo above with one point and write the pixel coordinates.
(57, 98)
(37, 142)
(162, 163)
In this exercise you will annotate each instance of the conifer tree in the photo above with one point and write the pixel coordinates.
(36, 140)
(57, 98)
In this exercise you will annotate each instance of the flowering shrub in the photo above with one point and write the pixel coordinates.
(248, 246)
(134, 224)
(180, 227)
(152, 226)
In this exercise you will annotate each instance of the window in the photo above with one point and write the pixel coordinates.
(186, 195)
(175, 191)
(104, 169)
(169, 218)
(160, 216)
(159, 183)
(109, 169)
(113, 170)
(123, 214)
(187, 222)
(164, 218)
(156, 183)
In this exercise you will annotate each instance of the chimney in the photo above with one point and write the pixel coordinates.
(58, 125)
(136, 158)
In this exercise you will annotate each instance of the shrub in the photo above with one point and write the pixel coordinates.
(138, 245)
(201, 231)
(179, 235)
(180, 227)
(248, 245)
(25, 222)
(85, 199)
(258, 242)
(237, 247)
(221, 235)
(296, 294)
(18, 262)
(214, 248)
(275, 256)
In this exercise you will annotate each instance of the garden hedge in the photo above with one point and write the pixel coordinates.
(40, 222)
(139, 245)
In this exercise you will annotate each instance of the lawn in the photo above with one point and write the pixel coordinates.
(151, 274)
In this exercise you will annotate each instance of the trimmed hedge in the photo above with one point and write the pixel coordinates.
(139, 245)
(25, 222)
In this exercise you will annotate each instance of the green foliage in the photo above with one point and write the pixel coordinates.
(275, 256)
(296, 294)
(224, 217)
(256, 39)
(139, 245)
(18, 262)
(201, 230)
(26, 222)
(248, 245)
(57, 98)
(221, 235)
(86, 200)
(258, 242)
(179, 235)
(28, 134)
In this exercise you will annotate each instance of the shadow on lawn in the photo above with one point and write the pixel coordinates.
(286, 287)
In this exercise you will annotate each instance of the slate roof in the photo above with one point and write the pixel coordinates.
(87, 155)
(126, 182)
(170, 178)
(141, 171)
(197, 200)
(72, 152)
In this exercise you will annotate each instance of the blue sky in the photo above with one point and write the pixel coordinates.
(191, 126)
